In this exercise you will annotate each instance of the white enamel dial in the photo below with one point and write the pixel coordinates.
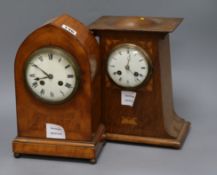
(52, 74)
(128, 65)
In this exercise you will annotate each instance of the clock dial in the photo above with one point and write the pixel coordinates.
(52, 74)
(128, 65)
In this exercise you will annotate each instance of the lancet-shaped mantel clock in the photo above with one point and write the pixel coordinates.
(137, 88)
(57, 78)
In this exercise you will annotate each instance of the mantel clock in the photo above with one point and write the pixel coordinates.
(137, 89)
(58, 92)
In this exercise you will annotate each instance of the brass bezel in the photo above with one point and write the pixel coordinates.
(67, 56)
(146, 56)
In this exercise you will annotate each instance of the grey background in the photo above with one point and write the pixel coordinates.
(194, 62)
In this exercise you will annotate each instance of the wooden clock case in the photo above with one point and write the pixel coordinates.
(80, 115)
(152, 119)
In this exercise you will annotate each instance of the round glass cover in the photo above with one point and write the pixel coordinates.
(128, 65)
(52, 74)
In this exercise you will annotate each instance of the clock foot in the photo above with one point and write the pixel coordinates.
(17, 155)
(93, 161)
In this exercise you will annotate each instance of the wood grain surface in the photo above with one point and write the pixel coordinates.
(152, 119)
(80, 115)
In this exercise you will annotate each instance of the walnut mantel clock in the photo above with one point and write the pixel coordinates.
(137, 89)
(57, 78)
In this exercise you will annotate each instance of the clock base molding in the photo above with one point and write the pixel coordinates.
(60, 148)
(164, 142)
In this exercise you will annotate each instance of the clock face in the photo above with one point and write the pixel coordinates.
(52, 74)
(128, 65)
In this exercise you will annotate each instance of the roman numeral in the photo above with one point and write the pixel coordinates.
(34, 84)
(137, 79)
(66, 67)
(40, 58)
(51, 94)
(42, 92)
(60, 59)
(50, 56)
(128, 51)
(68, 85)
(32, 75)
(62, 93)
(33, 65)
(70, 76)
(142, 67)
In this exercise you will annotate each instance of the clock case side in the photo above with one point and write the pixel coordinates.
(172, 130)
(84, 138)
(175, 126)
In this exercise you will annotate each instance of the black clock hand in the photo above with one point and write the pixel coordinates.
(34, 65)
(135, 74)
(129, 70)
(37, 79)
(50, 76)
(127, 67)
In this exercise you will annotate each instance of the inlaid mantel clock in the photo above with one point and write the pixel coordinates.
(137, 89)
(57, 78)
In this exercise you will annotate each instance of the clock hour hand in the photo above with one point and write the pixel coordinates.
(127, 67)
(135, 74)
(50, 76)
(37, 79)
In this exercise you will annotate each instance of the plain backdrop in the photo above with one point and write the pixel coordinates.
(194, 62)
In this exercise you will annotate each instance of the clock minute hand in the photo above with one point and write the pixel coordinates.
(127, 67)
(50, 76)
(34, 65)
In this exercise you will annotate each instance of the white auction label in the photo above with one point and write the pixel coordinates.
(128, 98)
(55, 131)
(69, 29)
